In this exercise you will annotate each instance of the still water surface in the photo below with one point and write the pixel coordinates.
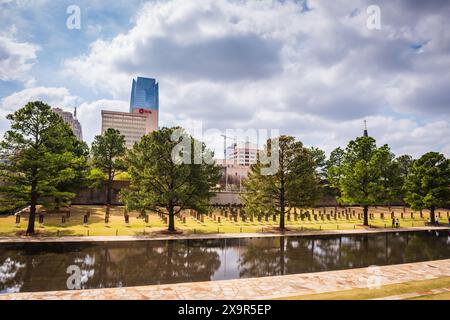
(43, 266)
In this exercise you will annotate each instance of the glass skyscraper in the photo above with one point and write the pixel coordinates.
(144, 94)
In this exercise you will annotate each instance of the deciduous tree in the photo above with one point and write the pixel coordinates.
(334, 169)
(170, 171)
(108, 151)
(294, 182)
(428, 183)
(361, 175)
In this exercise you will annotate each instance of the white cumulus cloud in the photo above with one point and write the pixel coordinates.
(16, 59)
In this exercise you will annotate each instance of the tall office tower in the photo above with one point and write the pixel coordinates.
(65, 115)
(77, 130)
(143, 116)
(145, 101)
(71, 120)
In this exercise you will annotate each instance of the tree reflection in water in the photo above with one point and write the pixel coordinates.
(107, 265)
(291, 255)
(43, 266)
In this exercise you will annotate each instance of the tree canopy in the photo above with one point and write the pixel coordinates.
(333, 169)
(294, 182)
(169, 173)
(365, 174)
(108, 151)
(44, 160)
(428, 183)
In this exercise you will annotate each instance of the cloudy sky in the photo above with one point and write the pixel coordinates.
(312, 69)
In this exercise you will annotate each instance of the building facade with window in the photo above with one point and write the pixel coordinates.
(71, 120)
(243, 154)
(131, 125)
(144, 94)
(142, 117)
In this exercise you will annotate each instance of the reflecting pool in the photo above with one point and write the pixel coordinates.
(43, 266)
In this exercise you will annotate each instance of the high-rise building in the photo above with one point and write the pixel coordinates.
(144, 94)
(65, 115)
(77, 129)
(143, 116)
(77, 126)
(145, 100)
(71, 120)
(131, 125)
(243, 154)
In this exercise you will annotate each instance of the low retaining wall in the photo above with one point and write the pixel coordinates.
(97, 196)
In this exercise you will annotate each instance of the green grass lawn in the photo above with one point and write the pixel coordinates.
(96, 226)
(438, 296)
(383, 291)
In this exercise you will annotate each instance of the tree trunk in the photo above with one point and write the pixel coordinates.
(30, 229)
(171, 219)
(108, 190)
(366, 215)
(33, 201)
(282, 191)
(283, 206)
(432, 216)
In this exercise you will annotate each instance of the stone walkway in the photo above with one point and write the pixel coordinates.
(260, 288)
(20, 239)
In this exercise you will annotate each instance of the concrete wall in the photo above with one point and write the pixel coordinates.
(98, 196)
(226, 198)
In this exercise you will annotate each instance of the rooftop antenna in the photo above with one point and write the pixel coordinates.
(366, 134)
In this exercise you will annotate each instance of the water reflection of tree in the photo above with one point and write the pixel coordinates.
(331, 253)
(43, 267)
(307, 255)
(261, 257)
(106, 265)
(10, 267)
(363, 250)
(164, 262)
(433, 246)
(286, 255)
(290, 255)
